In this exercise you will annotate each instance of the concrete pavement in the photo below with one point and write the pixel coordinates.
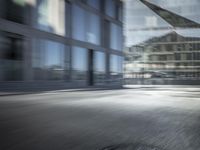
(165, 117)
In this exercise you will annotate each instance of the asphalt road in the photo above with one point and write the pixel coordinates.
(166, 117)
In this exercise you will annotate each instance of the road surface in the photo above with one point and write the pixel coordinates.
(166, 117)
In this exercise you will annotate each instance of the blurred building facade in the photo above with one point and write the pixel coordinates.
(60, 43)
(166, 47)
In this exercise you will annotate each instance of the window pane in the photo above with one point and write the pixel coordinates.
(113, 64)
(93, 29)
(78, 23)
(51, 16)
(116, 37)
(94, 3)
(120, 64)
(79, 63)
(110, 8)
(116, 66)
(49, 60)
(99, 67)
(86, 26)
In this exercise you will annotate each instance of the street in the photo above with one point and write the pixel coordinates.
(165, 117)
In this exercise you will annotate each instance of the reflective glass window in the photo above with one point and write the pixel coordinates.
(85, 26)
(93, 29)
(99, 67)
(94, 3)
(50, 16)
(78, 23)
(79, 63)
(110, 8)
(116, 37)
(116, 66)
(50, 60)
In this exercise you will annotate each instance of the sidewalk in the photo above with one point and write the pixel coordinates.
(34, 91)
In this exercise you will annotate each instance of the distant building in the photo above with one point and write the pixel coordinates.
(171, 55)
(52, 44)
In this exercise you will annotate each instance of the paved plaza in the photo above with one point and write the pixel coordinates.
(163, 116)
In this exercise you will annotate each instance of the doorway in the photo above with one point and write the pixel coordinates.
(90, 67)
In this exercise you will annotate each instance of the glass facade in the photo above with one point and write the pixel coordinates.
(116, 67)
(60, 42)
(79, 63)
(93, 31)
(110, 8)
(50, 16)
(94, 3)
(162, 41)
(99, 68)
(116, 39)
(78, 30)
(89, 30)
(50, 60)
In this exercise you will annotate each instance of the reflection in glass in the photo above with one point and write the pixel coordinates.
(78, 23)
(110, 8)
(99, 67)
(51, 16)
(93, 31)
(85, 25)
(79, 63)
(116, 37)
(49, 60)
(116, 67)
(94, 3)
